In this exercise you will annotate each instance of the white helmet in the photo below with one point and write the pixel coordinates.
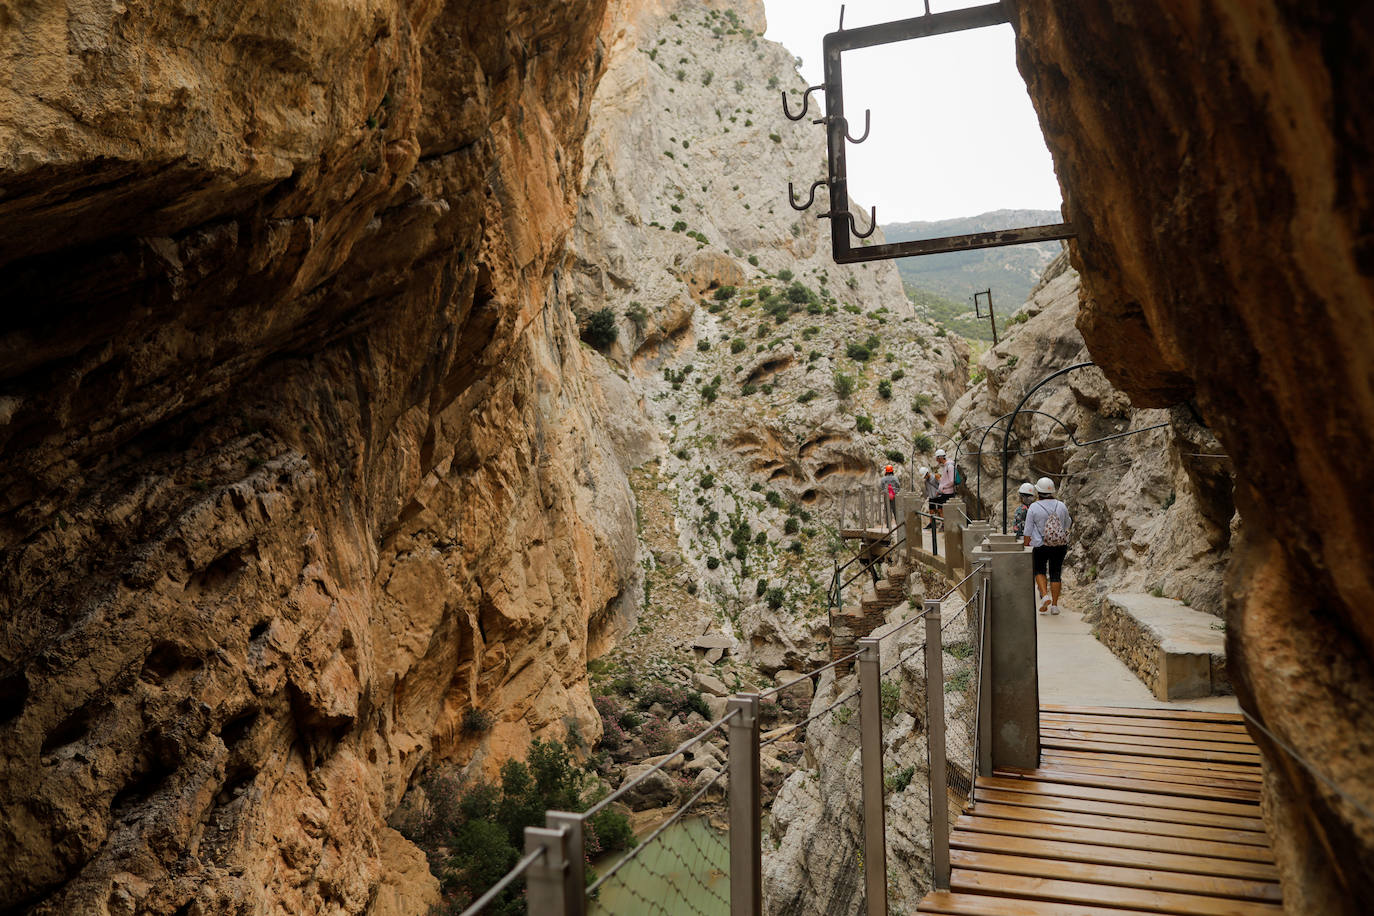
(1026, 490)
(1045, 485)
(924, 470)
(939, 453)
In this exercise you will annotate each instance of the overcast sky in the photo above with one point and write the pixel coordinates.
(954, 133)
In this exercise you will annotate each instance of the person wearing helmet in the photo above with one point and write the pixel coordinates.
(888, 486)
(945, 471)
(1047, 535)
(1018, 524)
(932, 491)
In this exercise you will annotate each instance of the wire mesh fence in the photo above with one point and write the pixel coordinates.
(906, 805)
(682, 867)
(817, 817)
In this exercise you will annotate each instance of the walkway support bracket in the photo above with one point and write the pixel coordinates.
(871, 758)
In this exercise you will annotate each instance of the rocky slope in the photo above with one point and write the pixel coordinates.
(1215, 160)
(1153, 511)
(299, 469)
(733, 325)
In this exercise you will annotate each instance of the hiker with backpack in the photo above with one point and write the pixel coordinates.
(949, 477)
(888, 486)
(932, 490)
(1047, 535)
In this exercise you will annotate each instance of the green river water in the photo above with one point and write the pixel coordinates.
(685, 870)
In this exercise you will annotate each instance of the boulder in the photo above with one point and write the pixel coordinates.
(655, 791)
(709, 684)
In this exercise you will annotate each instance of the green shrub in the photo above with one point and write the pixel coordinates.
(884, 389)
(601, 331)
(895, 456)
(784, 275)
(776, 597)
(922, 444)
(901, 779)
(921, 402)
(679, 226)
(761, 539)
(791, 526)
(760, 587)
(890, 693)
(844, 385)
(898, 375)
(476, 721)
(857, 351)
(737, 345)
(712, 562)
(638, 315)
(773, 499)
(799, 294)
(707, 481)
(703, 345)
(754, 260)
(863, 424)
(807, 396)
(724, 293)
(776, 138)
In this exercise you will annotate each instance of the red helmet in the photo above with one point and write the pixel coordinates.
(888, 469)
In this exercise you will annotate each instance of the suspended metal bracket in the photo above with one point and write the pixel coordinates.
(837, 134)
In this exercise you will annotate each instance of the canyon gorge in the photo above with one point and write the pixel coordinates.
(309, 458)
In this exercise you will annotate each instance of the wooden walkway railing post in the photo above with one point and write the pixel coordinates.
(935, 747)
(871, 757)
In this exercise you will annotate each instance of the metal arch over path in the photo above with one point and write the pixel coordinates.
(1006, 435)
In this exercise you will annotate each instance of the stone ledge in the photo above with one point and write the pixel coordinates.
(1177, 652)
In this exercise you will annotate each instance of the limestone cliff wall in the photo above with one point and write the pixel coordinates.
(1152, 509)
(1215, 158)
(300, 450)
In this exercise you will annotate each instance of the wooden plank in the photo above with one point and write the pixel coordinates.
(1250, 751)
(964, 880)
(952, 904)
(1118, 876)
(1119, 796)
(1191, 715)
(1166, 731)
(1140, 811)
(1045, 817)
(1179, 753)
(1190, 789)
(1192, 778)
(1225, 728)
(1093, 758)
(1116, 856)
(1102, 834)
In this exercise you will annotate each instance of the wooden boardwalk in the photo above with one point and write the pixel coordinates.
(1131, 811)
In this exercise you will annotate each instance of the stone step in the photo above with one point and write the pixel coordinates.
(1177, 652)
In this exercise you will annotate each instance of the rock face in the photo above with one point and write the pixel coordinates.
(734, 324)
(1215, 160)
(1152, 511)
(300, 447)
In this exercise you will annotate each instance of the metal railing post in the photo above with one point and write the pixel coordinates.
(871, 755)
(546, 880)
(574, 884)
(935, 745)
(982, 738)
(746, 855)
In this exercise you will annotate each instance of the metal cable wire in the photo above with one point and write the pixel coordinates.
(779, 689)
(796, 725)
(680, 749)
(1307, 765)
(484, 901)
(638, 855)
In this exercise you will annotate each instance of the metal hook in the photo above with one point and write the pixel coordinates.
(806, 103)
(853, 226)
(867, 124)
(810, 197)
(872, 223)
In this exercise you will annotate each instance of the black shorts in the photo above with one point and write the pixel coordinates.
(1049, 559)
(941, 499)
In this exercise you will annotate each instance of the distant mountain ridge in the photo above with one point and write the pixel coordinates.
(1010, 272)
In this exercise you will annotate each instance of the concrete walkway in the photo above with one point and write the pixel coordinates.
(1077, 670)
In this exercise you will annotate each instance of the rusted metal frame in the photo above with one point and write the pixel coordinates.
(841, 219)
(991, 315)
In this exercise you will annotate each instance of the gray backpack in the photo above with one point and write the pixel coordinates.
(1054, 535)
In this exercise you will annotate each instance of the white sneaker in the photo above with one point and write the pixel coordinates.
(1044, 604)
(1054, 609)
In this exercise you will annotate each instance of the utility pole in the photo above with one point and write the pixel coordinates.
(990, 316)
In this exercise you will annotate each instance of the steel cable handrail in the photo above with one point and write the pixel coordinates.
(681, 749)
(519, 869)
(796, 725)
(810, 674)
(673, 819)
